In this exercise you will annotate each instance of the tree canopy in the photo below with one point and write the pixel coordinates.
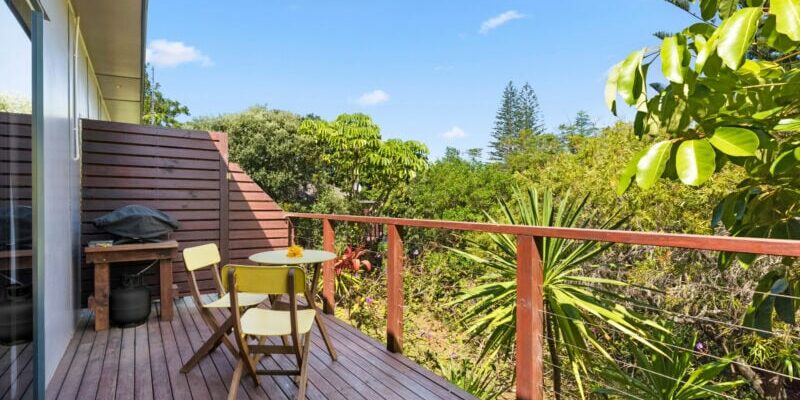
(157, 109)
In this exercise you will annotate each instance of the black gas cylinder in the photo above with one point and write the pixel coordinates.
(130, 305)
(16, 315)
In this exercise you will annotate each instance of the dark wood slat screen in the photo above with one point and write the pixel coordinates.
(15, 181)
(185, 174)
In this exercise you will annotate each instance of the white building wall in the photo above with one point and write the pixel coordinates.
(61, 197)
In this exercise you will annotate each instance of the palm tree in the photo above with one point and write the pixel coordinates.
(574, 302)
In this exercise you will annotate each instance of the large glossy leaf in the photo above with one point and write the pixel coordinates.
(787, 17)
(736, 35)
(735, 141)
(629, 80)
(695, 161)
(652, 164)
(727, 8)
(611, 88)
(672, 59)
(708, 8)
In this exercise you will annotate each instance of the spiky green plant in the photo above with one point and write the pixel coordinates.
(573, 299)
(664, 376)
(478, 379)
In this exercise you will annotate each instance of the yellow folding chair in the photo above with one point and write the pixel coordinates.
(207, 257)
(262, 323)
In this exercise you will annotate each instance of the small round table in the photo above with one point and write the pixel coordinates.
(309, 257)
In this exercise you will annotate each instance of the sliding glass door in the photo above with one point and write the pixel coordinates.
(20, 107)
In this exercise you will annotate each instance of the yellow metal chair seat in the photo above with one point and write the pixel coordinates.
(245, 300)
(265, 322)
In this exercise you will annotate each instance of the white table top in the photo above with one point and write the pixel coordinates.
(278, 257)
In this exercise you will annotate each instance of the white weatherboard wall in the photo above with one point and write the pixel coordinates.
(61, 195)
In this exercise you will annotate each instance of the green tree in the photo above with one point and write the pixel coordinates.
(731, 98)
(529, 117)
(505, 123)
(517, 116)
(453, 188)
(582, 125)
(360, 163)
(158, 109)
(14, 104)
(269, 146)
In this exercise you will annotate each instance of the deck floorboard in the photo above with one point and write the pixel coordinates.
(144, 363)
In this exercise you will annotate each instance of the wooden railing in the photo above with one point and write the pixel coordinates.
(530, 275)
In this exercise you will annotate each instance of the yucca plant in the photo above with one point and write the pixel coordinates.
(574, 301)
(479, 379)
(666, 375)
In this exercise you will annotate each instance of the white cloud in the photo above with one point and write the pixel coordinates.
(454, 133)
(372, 98)
(499, 20)
(164, 53)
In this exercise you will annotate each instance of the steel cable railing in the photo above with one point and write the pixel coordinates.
(688, 350)
(529, 288)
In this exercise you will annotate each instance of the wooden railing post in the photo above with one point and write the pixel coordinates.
(328, 277)
(530, 320)
(394, 293)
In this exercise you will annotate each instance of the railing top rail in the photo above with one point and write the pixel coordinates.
(777, 247)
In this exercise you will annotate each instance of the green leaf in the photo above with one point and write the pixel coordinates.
(787, 17)
(651, 165)
(788, 125)
(629, 81)
(695, 161)
(727, 8)
(735, 141)
(708, 8)
(628, 173)
(785, 161)
(784, 306)
(672, 59)
(763, 317)
(736, 35)
(611, 88)
(775, 39)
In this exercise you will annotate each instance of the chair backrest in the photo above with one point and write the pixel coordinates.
(264, 280)
(198, 257)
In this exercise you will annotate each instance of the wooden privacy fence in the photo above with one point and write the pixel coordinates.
(185, 174)
(530, 275)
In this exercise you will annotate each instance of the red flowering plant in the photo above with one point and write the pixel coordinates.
(349, 283)
(351, 260)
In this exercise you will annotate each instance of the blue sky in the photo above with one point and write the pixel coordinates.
(424, 70)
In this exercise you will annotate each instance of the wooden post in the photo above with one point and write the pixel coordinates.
(101, 294)
(328, 239)
(224, 200)
(394, 293)
(165, 282)
(530, 320)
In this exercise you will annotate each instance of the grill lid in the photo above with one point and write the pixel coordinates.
(137, 223)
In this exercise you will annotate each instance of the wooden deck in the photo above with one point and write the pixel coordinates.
(144, 363)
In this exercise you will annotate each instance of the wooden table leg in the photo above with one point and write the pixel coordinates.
(166, 289)
(318, 317)
(101, 294)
